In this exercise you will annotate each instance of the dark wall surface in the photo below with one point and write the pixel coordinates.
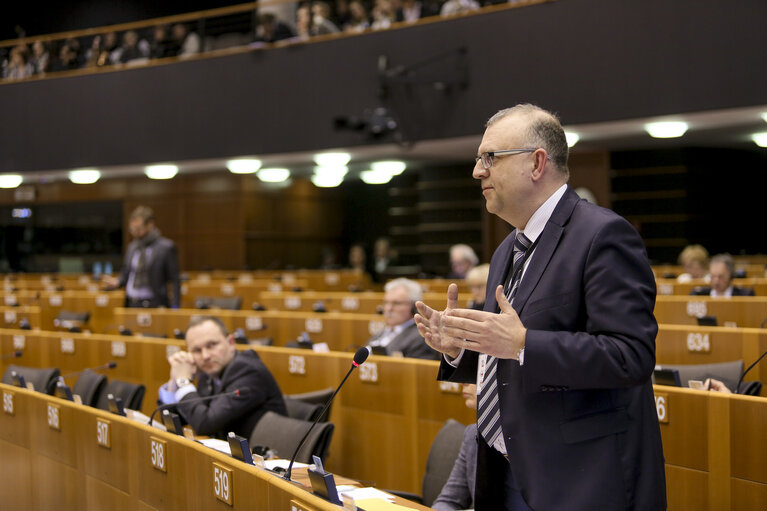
(589, 60)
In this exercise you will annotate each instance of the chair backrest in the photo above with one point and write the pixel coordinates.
(44, 380)
(88, 386)
(316, 397)
(442, 455)
(298, 409)
(727, 372)
(282, 434)
(132, 394)
(222, 302)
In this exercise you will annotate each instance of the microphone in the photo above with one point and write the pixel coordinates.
(13, 354)
(359, 358)
(237, 392)
(108, 365)
(737, 387)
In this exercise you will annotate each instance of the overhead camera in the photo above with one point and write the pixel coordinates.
(375, 122)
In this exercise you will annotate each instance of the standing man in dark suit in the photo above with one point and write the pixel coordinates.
(400, 337)
(721, 269)
(151, 263)
(565, 346)
(212, 358)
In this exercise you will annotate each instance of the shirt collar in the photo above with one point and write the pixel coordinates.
(537, 222)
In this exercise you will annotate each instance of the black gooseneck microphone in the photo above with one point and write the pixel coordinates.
(236, 392)
(737, 387)
(13, 354)
(109, 365)
(359, 358)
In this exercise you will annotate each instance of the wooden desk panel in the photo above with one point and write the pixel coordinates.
(746, 312)
(748, 436)
(16, 475)
(685, 436)
(748, 495)
(686, 489)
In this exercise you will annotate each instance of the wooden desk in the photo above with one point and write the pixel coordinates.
(746, 312)
(368, 302)
(672, 287)
(63, 456)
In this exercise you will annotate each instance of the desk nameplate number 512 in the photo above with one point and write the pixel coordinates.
(157, 456)
(222, 483)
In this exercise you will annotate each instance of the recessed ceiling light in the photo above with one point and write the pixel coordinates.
(375, 177)
(671, 129)
(243, 165)
(395, 168)
(760, 139)
(764, 116)
(161, 171)
(572, 138)
(340, 170)
(84, 176)
(273, 175)
(332, 159)
(10, 180)
(324, 180)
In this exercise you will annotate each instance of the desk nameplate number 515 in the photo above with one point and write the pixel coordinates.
(157, 456)
(222, 483)
(8, 403)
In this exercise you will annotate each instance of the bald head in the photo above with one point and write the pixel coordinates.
(541, 129)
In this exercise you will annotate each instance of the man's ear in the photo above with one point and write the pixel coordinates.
(539, 164)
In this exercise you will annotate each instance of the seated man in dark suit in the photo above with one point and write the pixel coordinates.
(401, 337)
(722, 268)
(220, 369)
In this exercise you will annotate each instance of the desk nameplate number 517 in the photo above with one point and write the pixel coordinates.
(54, 416)
(222, 483)
(103, 433)
(157, 456)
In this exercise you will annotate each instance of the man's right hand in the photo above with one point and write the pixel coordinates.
(110, 282)
(181, 366)
(429, 323)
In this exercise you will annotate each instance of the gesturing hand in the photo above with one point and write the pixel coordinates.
(429, 323)
(500, 335)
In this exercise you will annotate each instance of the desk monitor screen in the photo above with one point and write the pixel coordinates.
(707, 321)
(378, 350)
(116, 405)
(18, 380)
(63, 391)
(240, 448)
(668, 377)
(172, 422)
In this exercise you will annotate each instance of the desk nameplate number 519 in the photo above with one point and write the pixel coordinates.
(157, 456)
(222, 483)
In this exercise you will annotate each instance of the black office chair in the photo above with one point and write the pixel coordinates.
(72, 321)
(89, 386)
(315, 397)
(302, 410)
(225, 302)
(132, 394)
(282, 434)
(442, 455)
(44, 380)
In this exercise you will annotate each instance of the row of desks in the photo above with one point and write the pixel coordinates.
(61, 456)
(391, 409)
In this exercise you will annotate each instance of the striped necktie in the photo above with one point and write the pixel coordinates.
(488, 407)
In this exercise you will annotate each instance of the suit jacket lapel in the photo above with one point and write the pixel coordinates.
(499, 277)
(546, 246)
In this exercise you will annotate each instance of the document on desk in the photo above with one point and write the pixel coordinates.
(378, 505)
(215, 443)
(368, 494)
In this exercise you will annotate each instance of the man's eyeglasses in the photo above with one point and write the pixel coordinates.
(487, 157)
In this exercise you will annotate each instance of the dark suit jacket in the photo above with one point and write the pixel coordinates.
(163, 269)
(458, 492)
(260, 394)
(579, 420)
(410, 343)
(736, 291)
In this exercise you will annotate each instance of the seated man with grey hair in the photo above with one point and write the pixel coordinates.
(462, 259)
(721, 269)
(400, 337)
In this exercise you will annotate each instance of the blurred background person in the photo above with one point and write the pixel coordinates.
(462, 259)
(721, 270)
(694, 259)
(476, 279)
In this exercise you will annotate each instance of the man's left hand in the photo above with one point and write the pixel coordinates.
(500, 335)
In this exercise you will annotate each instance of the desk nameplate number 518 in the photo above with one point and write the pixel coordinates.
(157, 456)
(222, 483)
